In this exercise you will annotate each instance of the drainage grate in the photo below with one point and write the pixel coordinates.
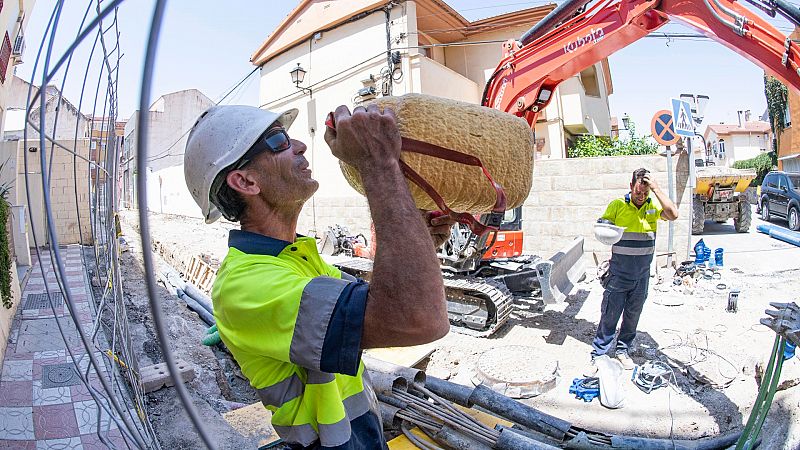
(39, 301)
(59, 375)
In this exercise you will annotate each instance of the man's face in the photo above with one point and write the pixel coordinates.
(284, 177)
(639, 192)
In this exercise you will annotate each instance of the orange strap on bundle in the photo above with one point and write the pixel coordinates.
(415, 146)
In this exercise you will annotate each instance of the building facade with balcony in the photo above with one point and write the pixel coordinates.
(350, 52)
(170, 118)
(13, 19)
(728, 143)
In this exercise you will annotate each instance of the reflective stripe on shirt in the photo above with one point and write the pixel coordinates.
(316, 306)
(330, 435)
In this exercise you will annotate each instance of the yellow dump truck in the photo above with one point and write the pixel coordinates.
(719, 197)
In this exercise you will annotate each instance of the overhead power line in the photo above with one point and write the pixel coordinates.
(165, 153)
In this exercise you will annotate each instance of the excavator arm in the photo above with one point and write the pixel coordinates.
(575, 36)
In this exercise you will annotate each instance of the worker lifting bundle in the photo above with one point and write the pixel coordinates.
(458, 131)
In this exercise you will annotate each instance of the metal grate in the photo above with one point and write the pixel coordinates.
(59, 375)
(39, 301)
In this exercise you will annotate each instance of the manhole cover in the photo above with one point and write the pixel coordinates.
(59, 375)
(517, 371)
(40, 301)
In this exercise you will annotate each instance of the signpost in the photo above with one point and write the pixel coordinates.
(698, 103)
(666, 132)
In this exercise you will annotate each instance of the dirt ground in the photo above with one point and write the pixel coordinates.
(716, 354)
(218, 386)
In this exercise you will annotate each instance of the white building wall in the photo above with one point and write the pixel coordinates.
(550, 137)
(170, 116)
(597, 113)
(10, 23)
(64, 117)
(570, 103)
(737, 146)
(746, 146)
(336, 64)
(168, 194)
(439, 80)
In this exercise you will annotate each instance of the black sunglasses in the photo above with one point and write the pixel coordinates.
(275, 140)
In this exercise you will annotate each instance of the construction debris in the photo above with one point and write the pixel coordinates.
(157, 376)
(707, 348)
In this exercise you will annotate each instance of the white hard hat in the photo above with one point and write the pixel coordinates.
(608, 234)
(219, 138)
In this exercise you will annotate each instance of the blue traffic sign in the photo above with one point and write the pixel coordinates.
(662, 128)
(682, 115)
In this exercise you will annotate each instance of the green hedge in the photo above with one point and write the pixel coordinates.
(763, 163)
(589, 145)
(5, 254)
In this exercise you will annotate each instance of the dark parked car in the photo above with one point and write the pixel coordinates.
(780, 197)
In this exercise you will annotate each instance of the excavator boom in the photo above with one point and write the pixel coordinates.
(576, 36)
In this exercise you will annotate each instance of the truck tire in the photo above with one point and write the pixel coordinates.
(741, 223)
(698, 217)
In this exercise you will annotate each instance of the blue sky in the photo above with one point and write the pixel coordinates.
(645, 75)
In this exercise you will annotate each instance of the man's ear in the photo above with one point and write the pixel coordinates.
(243, 182)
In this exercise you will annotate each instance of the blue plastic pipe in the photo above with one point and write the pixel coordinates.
(782, 234)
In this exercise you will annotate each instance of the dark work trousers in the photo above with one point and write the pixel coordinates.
(622, 297)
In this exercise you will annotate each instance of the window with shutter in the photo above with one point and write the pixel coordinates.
(5, 56)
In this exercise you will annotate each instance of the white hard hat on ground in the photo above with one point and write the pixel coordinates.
(608, 234)
(219, 138)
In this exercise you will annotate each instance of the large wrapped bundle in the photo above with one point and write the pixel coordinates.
(502, 141)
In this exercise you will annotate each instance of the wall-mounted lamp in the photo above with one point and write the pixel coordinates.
(626, 121)
(298, 75)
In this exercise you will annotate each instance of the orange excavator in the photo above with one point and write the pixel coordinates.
(486, 275)
(576, 35)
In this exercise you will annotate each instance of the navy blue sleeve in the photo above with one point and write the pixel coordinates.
(341, 349)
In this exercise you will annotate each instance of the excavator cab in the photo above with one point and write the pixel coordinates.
(507, 241)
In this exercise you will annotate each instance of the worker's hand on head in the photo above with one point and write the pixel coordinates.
(648, 180)
(367, 139)
(439, 225)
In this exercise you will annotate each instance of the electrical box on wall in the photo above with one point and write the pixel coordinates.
(367, 92)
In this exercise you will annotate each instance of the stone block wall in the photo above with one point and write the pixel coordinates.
(321, 212)
(66, 172)
(569, 195)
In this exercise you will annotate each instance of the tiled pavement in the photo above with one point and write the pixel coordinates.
(43, 403)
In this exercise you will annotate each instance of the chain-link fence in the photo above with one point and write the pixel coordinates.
(106, 362)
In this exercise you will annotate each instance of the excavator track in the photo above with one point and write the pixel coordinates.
(477, 306)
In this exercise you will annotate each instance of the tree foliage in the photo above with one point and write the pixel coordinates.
(777, 101)
(589, 145)
(763, 163)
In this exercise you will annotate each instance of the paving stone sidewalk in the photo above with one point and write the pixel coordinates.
(43, 402)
